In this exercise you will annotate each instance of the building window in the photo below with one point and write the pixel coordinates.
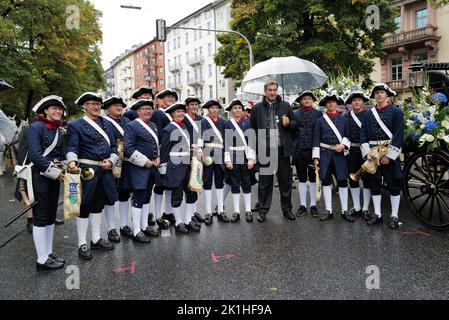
(397, 21)
(187, 57)
(179, 42)
(168, 46)
(195, 36)
(220, 16)
(187, 38)
(210, 71)
(209, 49)
(211, 92)
(161, 69)
(421, 18)
(396, 69)
(208, 27)
(197, 20)
(222, 84)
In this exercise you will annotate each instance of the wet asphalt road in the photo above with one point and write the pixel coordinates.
(279, 259)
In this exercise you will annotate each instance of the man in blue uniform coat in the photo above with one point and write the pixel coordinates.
(239, 157)
(357, 100)
(114, 107)
(306, 117)
(384, 124)
(45, 148)
(141, 148)
(330, 143)
(143, 92)
(161, 119)
(91, 144)
(192, 121)
(175, 164)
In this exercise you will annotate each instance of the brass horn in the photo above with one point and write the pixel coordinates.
(87, 174)
(207, 161)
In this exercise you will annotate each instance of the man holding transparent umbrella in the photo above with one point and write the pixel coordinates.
(274, 123)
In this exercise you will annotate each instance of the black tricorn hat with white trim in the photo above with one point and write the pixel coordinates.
(356, 94)
(141, 103)
(384, 87)
(167, 92)
(233, 103)
(305, 93)
(88, 96)
(49, 101)
(211, 103)
(176, 106)
(142, 90)
(113, 100)
(190, 99)
(331, 96)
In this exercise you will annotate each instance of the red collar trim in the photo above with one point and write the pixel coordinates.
(384, 107)
(49, 124)
(214, 120)
(332, 114)
(179, 123)
(307, 108)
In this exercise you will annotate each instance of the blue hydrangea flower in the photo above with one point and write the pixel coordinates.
(430, 126)
(439, 97)
(415, 137)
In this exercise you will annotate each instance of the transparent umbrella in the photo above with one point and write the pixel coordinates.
(293, 74)
(5, 86)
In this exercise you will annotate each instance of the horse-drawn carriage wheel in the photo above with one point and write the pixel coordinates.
(426, 188)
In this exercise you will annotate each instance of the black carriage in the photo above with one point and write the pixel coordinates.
(426, 174)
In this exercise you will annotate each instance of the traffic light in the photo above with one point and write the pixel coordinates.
(161, 31)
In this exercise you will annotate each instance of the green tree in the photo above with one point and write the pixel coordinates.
(332, 34)
(41, 55)
(438, 3)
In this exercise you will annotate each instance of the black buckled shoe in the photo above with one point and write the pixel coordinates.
(56, 258)
(126, 232)
(101, 245)
(198, 218)
(366, 215)
(289, 215)
(30, 225)
(84, 252)
(249, 216)
(208, 220)
(314, 211)
(373, 220)
(192, 227)
(196, 223)
(235, 217)
(301, 211)
(141, 238)
(59, 222)
(215, 212)
(394, 223)
(326, 215)
(169, 217)
(222, 217)
(151, 221)
(150, 232)
(346, 215)
(113, 236)
(261, 216)
(256, 207)
(355, 213)
(181, 228)
(50, 264)
(162, 224)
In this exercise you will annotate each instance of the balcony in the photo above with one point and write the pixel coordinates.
(195, 61)
(195, 82)
(417, 38)
(175, 67)
(398, 85)
(175, 86)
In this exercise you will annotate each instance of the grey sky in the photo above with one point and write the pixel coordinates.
(122, 28)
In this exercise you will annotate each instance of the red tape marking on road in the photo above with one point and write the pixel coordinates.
(216, 259)
(132, 269)
(415, 232)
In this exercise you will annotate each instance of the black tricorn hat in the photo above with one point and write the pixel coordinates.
(141, 103)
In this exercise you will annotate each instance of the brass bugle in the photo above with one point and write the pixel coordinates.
(355, 176)
(87, 173)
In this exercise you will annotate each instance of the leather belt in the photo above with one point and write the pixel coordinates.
(327, 146)
(379, 142)
(90, 162)
(355, 145)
